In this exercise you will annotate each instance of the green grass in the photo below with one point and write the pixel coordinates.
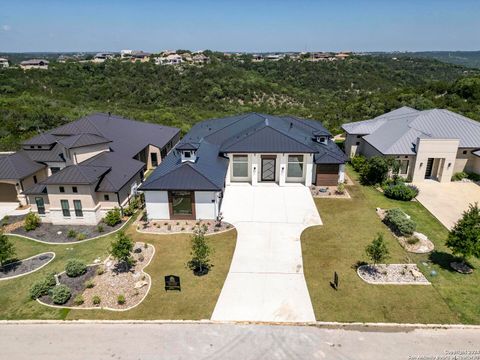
(349, 225)
(196, 300)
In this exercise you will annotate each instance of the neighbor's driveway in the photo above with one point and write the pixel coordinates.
(7, 208)
(447, 201)
(266, 281)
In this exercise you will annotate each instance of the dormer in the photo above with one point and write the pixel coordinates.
(321, 136)
(188, 151)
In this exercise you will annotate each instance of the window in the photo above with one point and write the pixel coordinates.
(40, 205)
(39, 147)
(240, 166)
(77, 205)
(295, 166)
(65, 208)
(54, 170)
(359, 136)
(357, 143)
(186, 154)
(35, 179)
(404, 167)
(32, 147)
(62, 189)
(182, 203)
(464, 152)
(74, 189)
(106, 197)
(154, 159)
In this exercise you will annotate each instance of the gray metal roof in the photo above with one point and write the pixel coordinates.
(18, 166)
(206, 173)
(77, 175)
(477, 153)
(76, 141)
(54, 154)
(41, 139)
(397, 134)
(37, 189)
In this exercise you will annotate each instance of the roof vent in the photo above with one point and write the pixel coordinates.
(266, 122)
(291, 125)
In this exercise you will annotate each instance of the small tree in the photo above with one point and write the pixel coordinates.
(200, 262)
(32, 221)
(375, 171)
(377, 250)
(7, 250)
(464, 238)
(122, 248)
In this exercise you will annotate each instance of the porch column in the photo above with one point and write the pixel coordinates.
(282, 178)
(308, 169)
(341, 173)
(255, 168)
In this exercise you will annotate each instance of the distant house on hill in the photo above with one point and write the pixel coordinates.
(34, 64)
(173, 59)
(140, 56)
(4, 63)
(257, 58)
(102, 57)
(200, 59)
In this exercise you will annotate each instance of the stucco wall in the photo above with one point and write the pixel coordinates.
(156, 203)
(464, 162)
(369, 151)
(206, 204)
(81, 154)
(476, 165)
(351, 147)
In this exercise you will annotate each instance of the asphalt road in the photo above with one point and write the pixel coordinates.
(71, 341)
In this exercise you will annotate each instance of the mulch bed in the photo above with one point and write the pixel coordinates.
(25, 266)
(394, 274)
(76, 285)
(178, 226)
(58, 233)
(328, 192)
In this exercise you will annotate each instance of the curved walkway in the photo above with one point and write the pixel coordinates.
(266, 281)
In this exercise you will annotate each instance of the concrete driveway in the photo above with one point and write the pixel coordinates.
(266, 281)
(447, 201)
(7, 208)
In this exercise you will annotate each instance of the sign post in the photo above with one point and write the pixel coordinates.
(172, 282)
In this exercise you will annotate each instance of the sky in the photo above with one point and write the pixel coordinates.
(248, 25)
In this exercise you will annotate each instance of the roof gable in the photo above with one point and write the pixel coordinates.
(17, 166)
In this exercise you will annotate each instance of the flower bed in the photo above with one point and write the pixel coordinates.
(329, 192)
(180, 226)
(392, 274)
(25, 266)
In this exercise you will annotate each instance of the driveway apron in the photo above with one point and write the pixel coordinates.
(266, 281)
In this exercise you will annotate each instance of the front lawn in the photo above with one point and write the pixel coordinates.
(349, 225)
(196, 300)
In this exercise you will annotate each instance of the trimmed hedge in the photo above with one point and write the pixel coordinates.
(401, 192)
(32, 221)
(75, 268)
(60, 294)
(113, 217)
(399, 222)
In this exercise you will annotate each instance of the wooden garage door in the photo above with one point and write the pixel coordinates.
(327, 175)
(8, 193)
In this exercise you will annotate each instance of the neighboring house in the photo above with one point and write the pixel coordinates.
(139, 56)
(4, 63)
(251, 148)
(430, 144)
(172, 59)
(102, 57)
(34, 64)
(75, 173)
(125, 53)
(200, 59)
(257, 58)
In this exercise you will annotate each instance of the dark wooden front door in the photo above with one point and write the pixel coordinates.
(268, 168)
(428, 170)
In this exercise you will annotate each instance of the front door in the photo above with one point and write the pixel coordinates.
(428, 170)
(268, 168)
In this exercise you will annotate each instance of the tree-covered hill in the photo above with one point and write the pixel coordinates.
(333, 92)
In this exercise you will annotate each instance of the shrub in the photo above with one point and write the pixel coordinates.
(473, 176)
(377, 250)
(32, 221)
(100, 270)
(121, 249)
(50, 280)
(7, 249)
(412, 240)
(78, 300)
(60, 294)
(96, 300)
(375, 171)
(121, 299)
(358, 162)
(341, 188)
(71, 233)
(399, 222)
(75, 268)
(113, 217)
(129, 210)
(81, 236)
(464, 237)
(89, 284)
(38, 289)
(401, 192)
(459, 176)
(100, 228)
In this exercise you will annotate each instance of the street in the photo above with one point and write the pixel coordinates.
(228, 341)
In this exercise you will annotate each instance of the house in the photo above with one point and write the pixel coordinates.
(77, 172)
(430, 144)
(172, 59)
(34, 64)
(139, 56)
(342, 56)
(102, 57)
(257, 58)
(125, 54)
(200, 59)
(252, 148)
(4, 63)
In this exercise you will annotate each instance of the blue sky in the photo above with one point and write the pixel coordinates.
(248, 25)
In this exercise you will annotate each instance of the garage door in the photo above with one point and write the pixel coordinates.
(8, 193)
(327, 175)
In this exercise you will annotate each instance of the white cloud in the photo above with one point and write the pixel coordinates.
(6, 27)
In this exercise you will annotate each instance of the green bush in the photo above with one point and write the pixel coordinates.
(473, 176)
(113, 217)
(89, 284)
(32, 221)
(399, 222)
(39, 289)
(358, 162)
(96, 300)
(401, 192)
(100, 270)
(81, 236)
(71, 233)
(50, 280)
(78, 300)
(341, 188)
(121, 299)
(75, 268)
(375, 171)
(100, 228)
(60, 294)
(459, 176)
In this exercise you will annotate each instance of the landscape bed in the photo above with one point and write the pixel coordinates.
(25, 266)
(392, 274)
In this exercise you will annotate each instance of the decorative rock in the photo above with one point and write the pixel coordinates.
(425, 264)
(462, 268)
(420, 236)
(433, 273)
(140, 284)
(59, 233)
(97, 260)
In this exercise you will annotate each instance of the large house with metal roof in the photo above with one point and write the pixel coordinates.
(250, 148)
(77, 172)
(430, 144)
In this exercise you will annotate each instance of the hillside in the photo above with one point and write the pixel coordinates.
(333, 92)
(464, 58)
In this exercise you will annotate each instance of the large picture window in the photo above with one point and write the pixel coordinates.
(404, 167)
(65, 208)
(77, 204)
(295, 166)
(182, 203)
(40, 205)
(240, 166)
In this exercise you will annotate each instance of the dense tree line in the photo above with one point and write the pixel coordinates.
(333, 92)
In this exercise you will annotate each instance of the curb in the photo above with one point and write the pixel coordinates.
(30, 272)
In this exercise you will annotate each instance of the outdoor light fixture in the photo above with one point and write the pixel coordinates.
(449, 164)
(421, 164)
